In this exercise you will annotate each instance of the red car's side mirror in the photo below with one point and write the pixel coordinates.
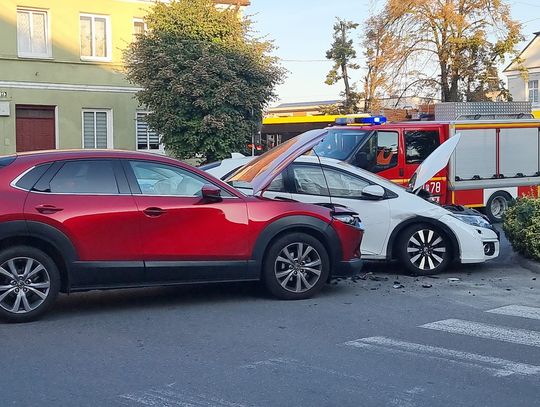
(211, 193)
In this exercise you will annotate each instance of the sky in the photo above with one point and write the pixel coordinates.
(302, 32)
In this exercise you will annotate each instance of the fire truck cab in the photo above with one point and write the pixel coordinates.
(496, 160)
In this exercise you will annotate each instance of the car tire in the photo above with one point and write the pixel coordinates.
(29, 283)
(424, 249)
(296, 267)
(497, 205)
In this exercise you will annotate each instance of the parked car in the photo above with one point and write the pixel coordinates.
(80, 220)
(399, 224)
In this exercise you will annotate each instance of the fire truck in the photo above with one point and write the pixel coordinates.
(496, 161)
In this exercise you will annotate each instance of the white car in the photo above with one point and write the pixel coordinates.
(399, 224)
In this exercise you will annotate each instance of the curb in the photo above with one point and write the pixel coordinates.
(530, 265)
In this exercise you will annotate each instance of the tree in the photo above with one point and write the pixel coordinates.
(205, 78)
(343, 54)
(463, 39)
(384, 59)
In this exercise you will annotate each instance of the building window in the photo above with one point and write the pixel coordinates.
(97, 132)
(33, 34)
(139, 27)
(533, 92)
(147, 139)
(95, 38)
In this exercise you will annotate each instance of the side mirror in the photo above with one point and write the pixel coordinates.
(373, 192)
(211, 193)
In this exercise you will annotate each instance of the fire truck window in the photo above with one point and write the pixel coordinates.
(419, 144)
(340, 144)
(387, 150)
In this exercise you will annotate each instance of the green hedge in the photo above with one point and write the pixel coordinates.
(522, 226)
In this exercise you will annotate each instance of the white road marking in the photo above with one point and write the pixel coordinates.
(171, 398)
(518, 311)
(497, 366)
(299, 366)
(480, 330)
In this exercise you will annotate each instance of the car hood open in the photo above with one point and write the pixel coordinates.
(260, 172)
(435, 162)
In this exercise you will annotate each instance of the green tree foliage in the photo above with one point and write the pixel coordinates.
(343, 54)
(464, 39)
(204, 76)
(522, 226)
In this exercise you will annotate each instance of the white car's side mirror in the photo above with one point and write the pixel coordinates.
(373, 192)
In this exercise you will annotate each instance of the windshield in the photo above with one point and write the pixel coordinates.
(340, 143)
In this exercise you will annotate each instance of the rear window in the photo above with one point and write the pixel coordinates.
(5, 161)
(28, 180)
(85, 177)
(209, 166)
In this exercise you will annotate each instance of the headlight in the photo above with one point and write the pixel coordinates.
(348, 219)
(473, 220)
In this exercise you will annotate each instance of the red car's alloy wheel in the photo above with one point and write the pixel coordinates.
(24, 285)
(298, 267)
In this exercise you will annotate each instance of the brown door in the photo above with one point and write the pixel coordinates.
(35, 128)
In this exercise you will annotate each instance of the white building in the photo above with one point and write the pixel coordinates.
(524, 86)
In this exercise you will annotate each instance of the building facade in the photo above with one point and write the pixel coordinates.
(62, 82)
(524, 77)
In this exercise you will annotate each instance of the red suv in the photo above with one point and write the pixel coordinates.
(82, 220)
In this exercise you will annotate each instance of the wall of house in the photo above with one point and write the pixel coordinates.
(66, 80)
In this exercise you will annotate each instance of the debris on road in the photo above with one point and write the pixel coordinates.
(453, 279)
(378, 278)
(425, 285)
(397, 285)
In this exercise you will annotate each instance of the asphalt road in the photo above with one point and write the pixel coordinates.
(472, 342)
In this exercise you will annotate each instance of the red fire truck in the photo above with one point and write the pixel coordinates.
(496, 161)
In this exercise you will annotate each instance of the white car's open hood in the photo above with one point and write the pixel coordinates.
(435, 162)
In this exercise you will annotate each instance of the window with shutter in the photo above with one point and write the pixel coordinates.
(96, 132)
(147, 139)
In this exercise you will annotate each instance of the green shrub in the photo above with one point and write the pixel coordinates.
(522, 226)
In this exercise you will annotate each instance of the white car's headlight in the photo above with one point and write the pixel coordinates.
(474, 220)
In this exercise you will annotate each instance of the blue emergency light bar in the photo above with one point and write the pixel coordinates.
(343, 121)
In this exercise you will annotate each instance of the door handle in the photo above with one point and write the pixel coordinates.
(401, 172)
(48, 209)
(154, 212)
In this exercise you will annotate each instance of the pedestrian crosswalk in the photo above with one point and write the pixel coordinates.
(494, 365)
(518, 311)
(499, 367)
(499, 333)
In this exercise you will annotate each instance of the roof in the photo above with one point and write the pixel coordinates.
(52, 155)
(534, 59)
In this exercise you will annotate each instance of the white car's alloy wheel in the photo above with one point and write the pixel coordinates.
(426, 249)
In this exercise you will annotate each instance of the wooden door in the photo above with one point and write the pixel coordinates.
(35, 128)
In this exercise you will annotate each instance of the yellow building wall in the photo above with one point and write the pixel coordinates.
(64, 25)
